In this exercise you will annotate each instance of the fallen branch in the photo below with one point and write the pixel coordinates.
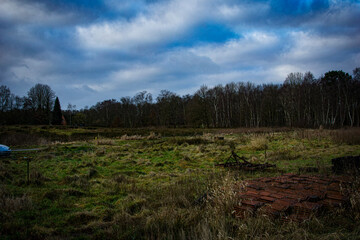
(235, 161)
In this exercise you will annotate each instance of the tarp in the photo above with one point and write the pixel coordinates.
(4, 150)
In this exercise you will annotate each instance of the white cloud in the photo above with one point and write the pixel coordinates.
(241, 13)
(314, 47)
(257, 75)
(280, 71)
(125, 78)
(244, 50)
(163, 23)
(16, 11)
(33, 70)
(134, 75)
(340, 13)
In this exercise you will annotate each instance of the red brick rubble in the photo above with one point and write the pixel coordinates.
(291, 197)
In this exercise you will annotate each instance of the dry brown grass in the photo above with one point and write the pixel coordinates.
(10, 204)
(105, 142)
(349, 136)
(223, 195)
(133, 137)
(22, 139)
(282, 154)
(80, 181)
(153, 136)
(81, 218)
(259, 143)
(256, 131)
(353, 192)
(36, 177)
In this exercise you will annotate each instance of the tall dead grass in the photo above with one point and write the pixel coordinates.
(22, 139)
(151, 136)
(109, 142)
(10, 204)
(353, 192)
(256, 131)
(259, 143)
(349, 136)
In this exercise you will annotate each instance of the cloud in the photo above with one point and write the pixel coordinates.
(245, 13)
(243, 51)
(164, 70)
(341, 18)
(164, 22)
(23, 12)
(314, 47)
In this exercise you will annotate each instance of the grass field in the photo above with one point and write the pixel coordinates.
(148, 183)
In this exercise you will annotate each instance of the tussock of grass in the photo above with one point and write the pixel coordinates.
(9, 204)
(282, 154)
(81, 218)
(259, 143)
(92, 173)
(105, 142)
(121, 178)
(153, 136)
(353, 192)
(80, 181)
(37, 177)
(61, 193)
(133, 137)
(7, 172)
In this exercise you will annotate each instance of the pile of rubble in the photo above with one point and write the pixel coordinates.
(291, 197)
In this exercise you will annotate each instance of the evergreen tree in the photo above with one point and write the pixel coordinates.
(57, 115)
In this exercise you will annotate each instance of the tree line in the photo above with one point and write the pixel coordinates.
(332, 100)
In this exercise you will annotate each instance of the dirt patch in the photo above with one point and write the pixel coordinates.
(291, 197)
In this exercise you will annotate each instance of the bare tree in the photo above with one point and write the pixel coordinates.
(142, 101)
(5, 95)
(71, 109)
(42, 97)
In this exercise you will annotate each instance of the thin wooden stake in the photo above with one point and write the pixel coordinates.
(28, 170)
(265, 153)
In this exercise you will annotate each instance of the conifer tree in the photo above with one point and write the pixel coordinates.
(57, 115)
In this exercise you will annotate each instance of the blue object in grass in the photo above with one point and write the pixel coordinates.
(4, 150)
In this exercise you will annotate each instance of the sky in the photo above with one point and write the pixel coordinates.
(90, 51)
